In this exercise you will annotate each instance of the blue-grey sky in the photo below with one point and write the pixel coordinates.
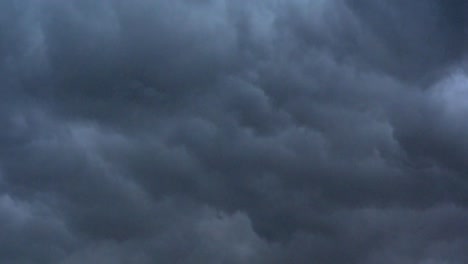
(233, 131)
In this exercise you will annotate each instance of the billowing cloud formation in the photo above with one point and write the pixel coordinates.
(219, 131)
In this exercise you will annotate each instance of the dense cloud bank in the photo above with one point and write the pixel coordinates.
(222, 131)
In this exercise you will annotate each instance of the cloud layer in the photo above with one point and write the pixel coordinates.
(219, 131)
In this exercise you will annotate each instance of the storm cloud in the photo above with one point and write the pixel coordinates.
(233, 131)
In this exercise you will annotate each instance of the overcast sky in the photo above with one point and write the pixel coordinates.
(233, 131)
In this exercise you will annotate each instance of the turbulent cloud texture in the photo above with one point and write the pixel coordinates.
(233, 131)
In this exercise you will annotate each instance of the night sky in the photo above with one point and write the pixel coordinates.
(233, 131)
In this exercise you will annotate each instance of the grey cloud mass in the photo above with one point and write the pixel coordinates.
(233, 131)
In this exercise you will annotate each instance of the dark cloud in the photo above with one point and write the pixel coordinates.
(226, 131)
(419, 38)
